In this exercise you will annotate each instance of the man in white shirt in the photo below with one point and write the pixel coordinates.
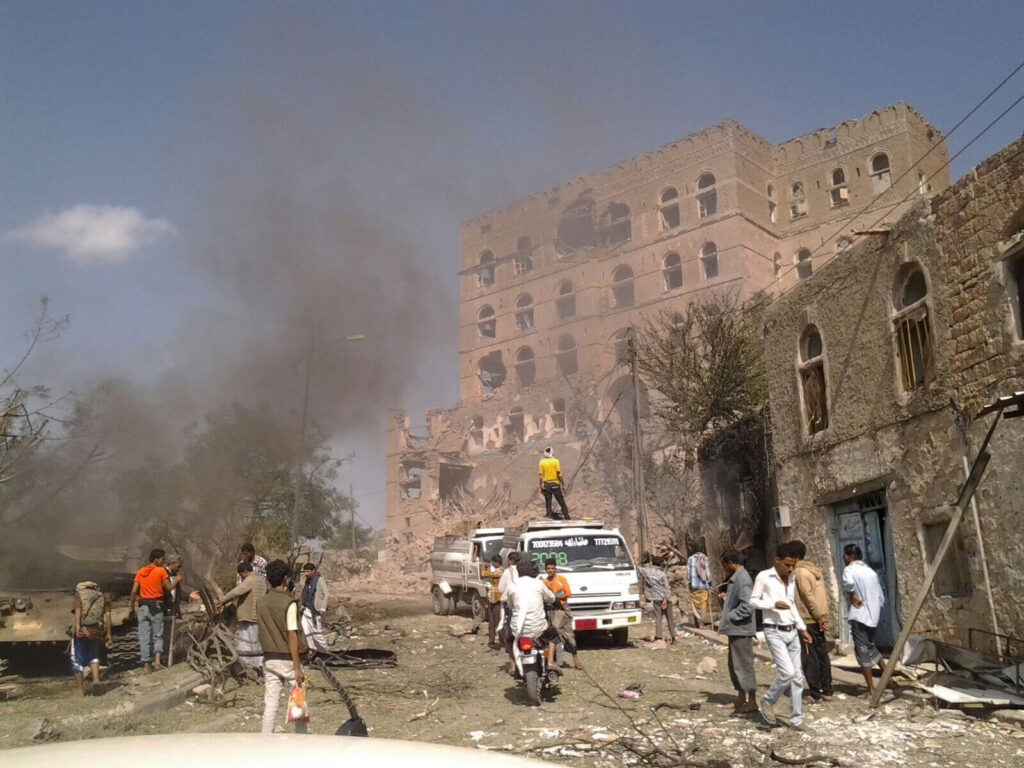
(774, 594)
(527, 598)
(508, 578)
(861, 585)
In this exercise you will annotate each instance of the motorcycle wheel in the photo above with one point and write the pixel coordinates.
(532, 680)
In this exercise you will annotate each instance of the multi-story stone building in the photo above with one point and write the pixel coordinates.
(874, 364)
(551, 284)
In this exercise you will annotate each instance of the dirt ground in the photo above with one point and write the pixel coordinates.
(449, 687)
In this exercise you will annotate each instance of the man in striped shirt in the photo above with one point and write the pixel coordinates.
(657, 590)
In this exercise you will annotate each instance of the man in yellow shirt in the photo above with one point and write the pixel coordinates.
(551, 484)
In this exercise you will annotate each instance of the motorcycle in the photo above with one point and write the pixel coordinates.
(532, 665)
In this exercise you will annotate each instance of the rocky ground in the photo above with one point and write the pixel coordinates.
(449, 687)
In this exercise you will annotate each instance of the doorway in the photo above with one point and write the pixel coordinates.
(863, 521)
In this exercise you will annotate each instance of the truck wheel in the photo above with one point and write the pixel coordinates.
(447, 605)
(479, 607)
(620, 637)
(437, 601)
(532, 680)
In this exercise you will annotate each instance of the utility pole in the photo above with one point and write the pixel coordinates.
(639, 490)
(299, 477)
(352, 507)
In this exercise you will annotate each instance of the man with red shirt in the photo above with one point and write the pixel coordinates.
(560, 615)
(151, 581)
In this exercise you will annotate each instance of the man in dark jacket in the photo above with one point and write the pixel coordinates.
(737, 624)
(277, 617)
(812, 602)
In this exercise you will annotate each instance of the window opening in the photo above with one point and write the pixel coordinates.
(565, 356)
(517, 424)
(565, 303)
(486, 323)
(881, 178)
(804, 268)
(476, 431)
(923, 187)
(485, 272)
(838, 193)
(523, 261)
(707, 196)
(798, 201)
(812, 381)
(558, 413)
(672, 271)
(709, 260)
(1015, 267)
(524, 312)
(618, 344)
(772, 205)
(491, 372)
(526, 367)
(622, 286)
(669, 209)
(619, 229)
(777, 264)
(913, 334)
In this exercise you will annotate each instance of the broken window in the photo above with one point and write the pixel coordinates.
(618, 345)
(517, 424)
(798, 201)
(772, 205)
(565, 356)
(524, 312)
(954, 576)
(486, 323)
(619, 227)
(838, 194)
(923, 187)
(451, 478)
(913, 336)
(1015, 281)
(558, 413)
(523, 261)
(707, 196)
(709, 260)
(491, 372)
(669, 209)
(526, 367)
(804, 267)
(565, 303)
(881, 178)
(576, 227)
(476, 431)
(485, 272)
(672, 271)
(812, 381)
(622, 286)
(777, 264)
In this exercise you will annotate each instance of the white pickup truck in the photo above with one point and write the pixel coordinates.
(455, 564)
(596, 562)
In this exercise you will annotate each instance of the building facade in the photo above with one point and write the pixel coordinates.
(551, 285)
(876, 365)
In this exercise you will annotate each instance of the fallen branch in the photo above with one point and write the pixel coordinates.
(772, 754)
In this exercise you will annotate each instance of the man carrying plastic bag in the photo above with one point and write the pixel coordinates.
(277, 616)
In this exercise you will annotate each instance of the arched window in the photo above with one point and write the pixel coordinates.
(486, 323)
(881, 177)
(772, 205)
(798, 201)
(618, 227)
(558, 413)
(491, 372)
(565, 356)
(485, 272)
(804, 268)
(524, 312)
(476, 431)
(812, 381)
(913, 331)
(618, 345)
(526, 367)
(777, 264)
(622, 286)
(709, 261)
(668, 208)
(707, 196)
(838, 194)
(522, 262)
(565, 301)
(672, 271)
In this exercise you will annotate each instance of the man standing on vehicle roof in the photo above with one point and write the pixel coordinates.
(552, 485)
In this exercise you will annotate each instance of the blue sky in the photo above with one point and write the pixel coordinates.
(355, 137)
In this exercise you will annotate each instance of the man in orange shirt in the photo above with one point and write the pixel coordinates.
(561, 616)
(151, 581)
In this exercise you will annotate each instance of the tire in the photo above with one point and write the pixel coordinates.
(620, 637)
(447, 605)
(437, 601)
(479, 606)
(532, 681)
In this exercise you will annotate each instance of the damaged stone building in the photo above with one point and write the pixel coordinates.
(551, 285)
(877, 364)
